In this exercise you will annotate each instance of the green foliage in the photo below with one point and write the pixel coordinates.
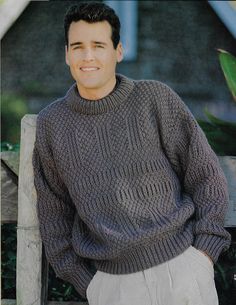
(58, 290)
(13, 109)
(228, 65)
(224, 276)
(35, 88)
(6, 146)
(8, 262)
(220, 134)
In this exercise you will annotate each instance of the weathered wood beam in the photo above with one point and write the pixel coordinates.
(29, 244)
(228, 164)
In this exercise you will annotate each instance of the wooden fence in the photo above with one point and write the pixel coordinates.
(32, 268)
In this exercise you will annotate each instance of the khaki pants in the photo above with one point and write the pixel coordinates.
(187, 279)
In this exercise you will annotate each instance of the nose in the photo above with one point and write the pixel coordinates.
(88, 55)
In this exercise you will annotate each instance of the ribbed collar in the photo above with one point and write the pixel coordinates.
(123, 88)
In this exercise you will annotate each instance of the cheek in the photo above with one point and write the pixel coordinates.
(74, 60)
(110, 61)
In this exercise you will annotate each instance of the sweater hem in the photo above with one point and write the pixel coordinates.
(147, 256)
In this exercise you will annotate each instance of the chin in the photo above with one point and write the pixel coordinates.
(90, 84)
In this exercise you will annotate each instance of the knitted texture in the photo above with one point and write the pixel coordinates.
(126, 182)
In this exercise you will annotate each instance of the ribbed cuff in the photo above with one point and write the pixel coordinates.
(211, 244)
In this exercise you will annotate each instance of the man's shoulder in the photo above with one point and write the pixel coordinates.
(55, 105)
(162, 95)
(53, 110)
(152, 85)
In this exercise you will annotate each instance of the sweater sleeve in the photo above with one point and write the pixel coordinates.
(56, 212)
(200, 174)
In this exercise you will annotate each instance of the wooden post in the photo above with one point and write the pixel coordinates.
(29, 245)
(228, 164)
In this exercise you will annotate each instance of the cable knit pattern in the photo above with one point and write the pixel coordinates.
(126, 182)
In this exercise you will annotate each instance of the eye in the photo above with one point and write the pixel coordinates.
(99, 46)
(77, 47)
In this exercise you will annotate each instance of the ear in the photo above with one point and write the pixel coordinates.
(119, 52)
(66, 55)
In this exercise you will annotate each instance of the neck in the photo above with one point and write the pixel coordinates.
(113, 99)
(97, 93)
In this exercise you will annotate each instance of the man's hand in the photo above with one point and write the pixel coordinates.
(207, 256)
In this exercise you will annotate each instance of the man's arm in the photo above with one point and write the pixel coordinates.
(56, 216)
(202, 178)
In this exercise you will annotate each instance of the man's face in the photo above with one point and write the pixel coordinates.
(92, 58)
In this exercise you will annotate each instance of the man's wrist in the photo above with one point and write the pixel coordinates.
(207, 256)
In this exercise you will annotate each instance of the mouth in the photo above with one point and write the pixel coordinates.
(89, 69)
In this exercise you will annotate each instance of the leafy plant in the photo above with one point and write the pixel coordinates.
(6, 146)
(13, 109)
(221, 134)
(228, 65)
(59, 290)
(8, 263)
(225, 269)
(35, 88)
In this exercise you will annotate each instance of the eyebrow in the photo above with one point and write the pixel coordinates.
(78, 43)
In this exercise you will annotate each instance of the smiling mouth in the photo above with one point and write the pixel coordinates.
(89, 69)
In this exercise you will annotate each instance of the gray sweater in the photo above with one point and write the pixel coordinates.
(126, 182)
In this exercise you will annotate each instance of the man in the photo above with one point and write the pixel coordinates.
(126, 179)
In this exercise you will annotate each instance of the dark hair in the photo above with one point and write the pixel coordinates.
(92, 12)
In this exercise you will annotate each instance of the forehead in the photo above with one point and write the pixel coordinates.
(83, 31)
